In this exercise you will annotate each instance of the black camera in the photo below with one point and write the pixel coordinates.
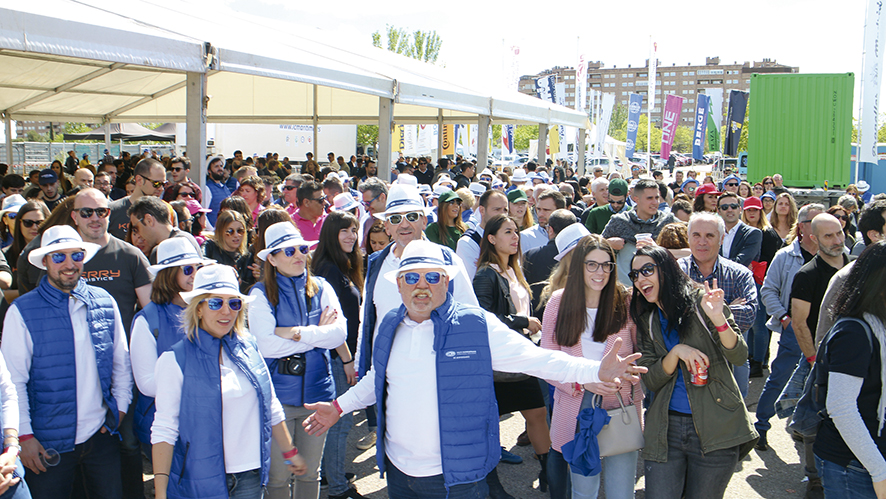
(294, 365)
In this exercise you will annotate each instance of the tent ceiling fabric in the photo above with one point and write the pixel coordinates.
(76, 68)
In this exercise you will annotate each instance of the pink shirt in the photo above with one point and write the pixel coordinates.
(309, 230)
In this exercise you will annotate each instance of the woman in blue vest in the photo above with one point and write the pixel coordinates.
(158, 326)
(296, 319)
(217, 411)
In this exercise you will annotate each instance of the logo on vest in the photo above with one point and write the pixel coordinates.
(460, 354)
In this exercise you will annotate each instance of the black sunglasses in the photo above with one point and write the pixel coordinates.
(291, 250)
(731, 184)
(156, 183)
(730, 206)
(87, 212)
(647, 271)
(31, 223)
(186, 194)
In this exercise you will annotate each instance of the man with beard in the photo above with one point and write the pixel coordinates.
(216, 188)
(150, 180)
(68, 358)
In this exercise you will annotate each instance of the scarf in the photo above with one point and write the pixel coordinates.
(880, 333)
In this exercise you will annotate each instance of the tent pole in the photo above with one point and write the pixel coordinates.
(439, 134)
(107, 125)
(316, 122)
(385, 124)
(483, 142)
(580, 167)
(542, 143)
(196, 123)
(7, 121)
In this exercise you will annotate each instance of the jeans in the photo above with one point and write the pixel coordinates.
(131, 456)
(742, 373)
(619, 474)
(19, 490)
(98, 460)
(558, 476)
(851, 482)
(758, 340)
(335, 450)
(245, 485)
(306, 486)
(688, 472)
(403, 486)
(780, 371)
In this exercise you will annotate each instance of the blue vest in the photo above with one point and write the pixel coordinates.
(373, 267)
(198, 459)
(316, 385)
(164, 322)
(52, 387)
(468, 412)
(219, 192)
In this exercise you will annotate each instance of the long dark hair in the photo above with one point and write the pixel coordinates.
(18, 242)
(863, 290)
(443, 220)
(489, 255)
(676, 292)
(329, 249)
(572, 319)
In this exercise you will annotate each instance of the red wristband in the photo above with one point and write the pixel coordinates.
(290, 454)
(337, 407)
(25, 438)
(810, 359)
(723, 328)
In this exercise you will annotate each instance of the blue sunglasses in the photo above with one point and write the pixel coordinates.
(235, 304)
(291, 250)
(58, 258)
(190, 269)
(412, 278)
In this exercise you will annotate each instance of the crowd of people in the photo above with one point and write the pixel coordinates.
(229, 334)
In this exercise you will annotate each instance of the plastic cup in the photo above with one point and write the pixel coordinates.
(50, 457)
(645, 237)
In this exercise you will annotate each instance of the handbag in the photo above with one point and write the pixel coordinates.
(623, 432)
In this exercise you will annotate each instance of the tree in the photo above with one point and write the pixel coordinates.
(523, 134)
(367, 135)
(424, 45)
(619, 119)
(683, 139)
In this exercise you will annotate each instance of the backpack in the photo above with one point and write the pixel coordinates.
(810, 410)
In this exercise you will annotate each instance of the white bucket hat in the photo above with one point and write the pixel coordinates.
(344, 202)
(282, 235)
(177, 252)
(407, 179)
(477, 188)
(216, 280)
(519, 176)
(13, 203)
(60, 238)
(439, 189)
(568, 239)
(422, 254)
(487, 173)
(863, 186)
(424, 189)
(403, 198)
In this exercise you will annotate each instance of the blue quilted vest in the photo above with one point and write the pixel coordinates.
(219, 192)
(373, 265)
(164, 322)
(317, 384)
(468, 412)
(198, 458)
(52, 386)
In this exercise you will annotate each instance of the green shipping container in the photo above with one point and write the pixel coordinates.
(800, 125)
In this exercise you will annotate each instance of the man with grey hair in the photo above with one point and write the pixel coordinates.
(600, 191)
(704, 264)
(375, 197)
(775, 296)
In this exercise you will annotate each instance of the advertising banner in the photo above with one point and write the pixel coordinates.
(546, 88)
(507, 139)
(603, 123)
(635, 105)
(701, 122)
(581, 84)
(871, 77)
(448, 142)
(738, 105)
(673, 106)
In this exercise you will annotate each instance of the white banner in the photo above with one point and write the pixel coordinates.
(425, 136)
(410, 133)
(561, 93)
(603, 123)
(472, 139)
(653, 67)
(871, 76)
(581, 83)
(716, 96)
(511, 65)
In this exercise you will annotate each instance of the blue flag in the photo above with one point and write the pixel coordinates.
(634, 108)
(701, 123)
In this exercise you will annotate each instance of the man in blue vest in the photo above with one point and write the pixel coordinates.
(217, 188)
(432, 380)
(68, 358)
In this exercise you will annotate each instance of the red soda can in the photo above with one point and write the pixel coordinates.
(700, 379)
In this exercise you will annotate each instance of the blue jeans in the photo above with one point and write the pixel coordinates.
(335, 449)
(688, 472)
(851, 482)
(97, 459)
(19, 490)
(558, 476)
(619, 473)
(780, 371)
(758, 340)
(403, 486)
(245, 485)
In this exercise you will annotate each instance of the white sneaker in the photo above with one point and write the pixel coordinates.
(367, 442)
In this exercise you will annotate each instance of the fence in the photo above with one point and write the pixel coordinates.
(28, 156)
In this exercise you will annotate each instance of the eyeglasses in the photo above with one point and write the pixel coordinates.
(31, 223)
(731, 184)
(291, 250)
(617, 202)
(11, 215)
(321, 199)
(289, 187)
(186, 194)
(231, 232)
(844, 218)
(235, 304)
(454, 201)
(176, 169)
(730, 206)
(156, 183)
(769, 182)
(647, 271)
(367, 203)
(76, 256)
(397, 218)
(412, 278)
(87, 212)
(190, 269)
(592, 266)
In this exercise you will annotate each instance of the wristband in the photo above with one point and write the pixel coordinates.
(810, 359)
(337, 407)
(722, 328)
(164, 474)
(290, 454)
(783, 317)
(348, 362)
(25, 438)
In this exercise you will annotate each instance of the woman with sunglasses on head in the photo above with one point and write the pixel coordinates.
(338, 259)
(159, 325)
(27, 227)
(572, 324)
(449, 225)
(296, 319)
(217, 413)
(697, 426)
(502, 290)
(229, 242)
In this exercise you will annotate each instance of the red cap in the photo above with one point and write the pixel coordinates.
(707, 189)
(752, 202)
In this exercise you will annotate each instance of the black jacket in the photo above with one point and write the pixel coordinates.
(537, 266)
(746, 245)
(494, 295)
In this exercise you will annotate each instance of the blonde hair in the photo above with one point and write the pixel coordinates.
(467, 197)
(190, 320)
(225, 219)
(556, 281)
